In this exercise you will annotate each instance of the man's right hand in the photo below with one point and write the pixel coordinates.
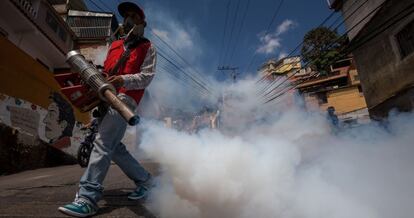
(117, 81)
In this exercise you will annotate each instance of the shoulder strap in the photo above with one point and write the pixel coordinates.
(128, 46)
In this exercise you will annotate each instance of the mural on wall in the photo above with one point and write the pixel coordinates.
(55, 124)
(59, 121)
(32, 102)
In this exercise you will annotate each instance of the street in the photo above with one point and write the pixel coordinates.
(38, 193)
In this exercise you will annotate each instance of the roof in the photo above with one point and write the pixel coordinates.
(321, 80)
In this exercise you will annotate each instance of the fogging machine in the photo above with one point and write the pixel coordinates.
(87, 87)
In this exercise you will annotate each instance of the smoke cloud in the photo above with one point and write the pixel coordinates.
(279, 160)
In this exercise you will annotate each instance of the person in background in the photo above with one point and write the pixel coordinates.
(332, 117)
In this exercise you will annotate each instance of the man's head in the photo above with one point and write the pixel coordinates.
(331, 110)
(59, 120)
(132, 14)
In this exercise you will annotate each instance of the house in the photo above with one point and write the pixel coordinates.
(340, 89)
(383, 48)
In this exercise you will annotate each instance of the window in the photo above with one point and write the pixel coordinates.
(51, 21)
(322, 98)
(405, 39)
(54, 25)
(340, 64)
(62, 34)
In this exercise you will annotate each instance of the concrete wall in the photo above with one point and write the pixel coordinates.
(33, 35)
(384, 75)
(345, 100)
(95, 52)
(354, 14)
(20, 151)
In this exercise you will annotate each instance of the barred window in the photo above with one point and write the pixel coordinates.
(405, 39)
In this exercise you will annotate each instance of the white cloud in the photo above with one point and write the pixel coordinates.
(282, 54)
(285, 26)
(179, 34)
(161, 33)
(270, 42)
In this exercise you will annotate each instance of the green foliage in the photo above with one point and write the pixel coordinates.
(321, 47)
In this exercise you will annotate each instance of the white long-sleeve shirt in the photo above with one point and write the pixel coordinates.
(142, 79)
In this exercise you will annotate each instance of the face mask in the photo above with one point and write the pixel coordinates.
(128, 25)
(131, 28)
(138, 30)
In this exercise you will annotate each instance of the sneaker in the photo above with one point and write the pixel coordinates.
(79, 208)
(139, 193)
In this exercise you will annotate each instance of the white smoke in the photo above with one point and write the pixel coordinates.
(282, 161)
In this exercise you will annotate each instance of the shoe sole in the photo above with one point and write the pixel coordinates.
(72, 213)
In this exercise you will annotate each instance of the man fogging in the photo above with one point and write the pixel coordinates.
(130, 64)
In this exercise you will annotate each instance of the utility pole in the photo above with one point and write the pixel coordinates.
(232, 71)
(233, 75)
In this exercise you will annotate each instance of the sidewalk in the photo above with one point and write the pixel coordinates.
(38, 193)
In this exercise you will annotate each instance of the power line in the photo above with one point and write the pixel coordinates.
(240, 30)
(176, 76)
(105, 5)
(168, 59)
(320, 25)
(184, 80)
(180, 69)
(329, 46)
(176, 53)
(270, 84)
(228, 45)
(97, 6)
(224, 32)
(266, 32)
(369, 36)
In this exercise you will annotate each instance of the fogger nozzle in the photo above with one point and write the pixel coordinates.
(106, 91)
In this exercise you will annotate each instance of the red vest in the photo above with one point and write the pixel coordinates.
(132, 65)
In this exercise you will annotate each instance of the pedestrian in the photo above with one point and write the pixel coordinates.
(131, 74)
(332, 117)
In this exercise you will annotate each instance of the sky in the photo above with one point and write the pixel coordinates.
(196, 29)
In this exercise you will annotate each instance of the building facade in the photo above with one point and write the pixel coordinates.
(35, 36)
(340, 89)
(383, 48)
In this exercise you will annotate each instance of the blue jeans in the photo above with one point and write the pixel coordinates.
(107, 147)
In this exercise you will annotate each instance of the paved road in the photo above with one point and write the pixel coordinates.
(38, 193)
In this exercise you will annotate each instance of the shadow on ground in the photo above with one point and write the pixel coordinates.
(116, 199)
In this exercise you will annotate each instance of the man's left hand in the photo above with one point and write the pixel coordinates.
(117, 81)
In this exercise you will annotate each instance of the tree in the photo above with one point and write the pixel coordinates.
(321, 47)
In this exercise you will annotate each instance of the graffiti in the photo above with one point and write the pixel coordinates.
(55, 124)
